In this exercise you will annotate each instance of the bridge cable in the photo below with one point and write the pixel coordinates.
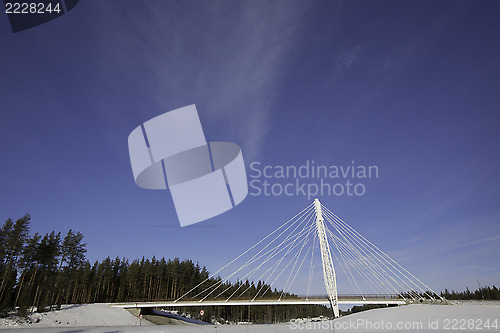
(310, 206)
(386, 256)
(368, 258)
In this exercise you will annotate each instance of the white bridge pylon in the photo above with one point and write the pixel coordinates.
(280, 269)
(326, 258)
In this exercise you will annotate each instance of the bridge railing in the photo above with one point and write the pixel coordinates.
(285, 297)
(355, 296)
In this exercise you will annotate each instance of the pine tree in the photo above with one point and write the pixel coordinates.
(48, 253)
(13, 238)
(27, 263)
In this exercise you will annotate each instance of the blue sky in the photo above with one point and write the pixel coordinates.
(411, 87)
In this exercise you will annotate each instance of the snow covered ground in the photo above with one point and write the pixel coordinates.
(77, 316)
(463, 317)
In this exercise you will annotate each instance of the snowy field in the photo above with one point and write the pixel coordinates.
(76, 316)
(462, 316)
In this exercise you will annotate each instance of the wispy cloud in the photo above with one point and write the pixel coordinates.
(249, 72)
(476, 268)
(231, 61)
(480, 241)
(346, 59)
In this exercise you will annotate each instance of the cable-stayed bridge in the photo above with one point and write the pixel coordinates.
(289, 259)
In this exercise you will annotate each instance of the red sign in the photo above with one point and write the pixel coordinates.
(202, 312)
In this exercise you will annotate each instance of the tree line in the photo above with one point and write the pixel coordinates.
(40, 272)
(486, 293)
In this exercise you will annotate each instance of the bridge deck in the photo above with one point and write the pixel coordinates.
(321, 301)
